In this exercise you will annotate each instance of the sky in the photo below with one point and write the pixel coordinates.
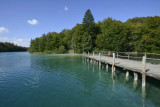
(23, 20)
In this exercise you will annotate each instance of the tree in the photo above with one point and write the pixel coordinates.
(88, 18)
(141, 34)
(77, 38)
(86, 42)
(90, 31)
(42, 43)
(10, 47)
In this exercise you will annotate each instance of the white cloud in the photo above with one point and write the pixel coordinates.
(65, 8)
(21, 42)
(33, 22)
(3, 30)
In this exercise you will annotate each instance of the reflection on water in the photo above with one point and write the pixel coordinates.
(69, 81)
(136, 86)
(143, 96)
(93, 68)
(135, 83)
(113, 76)
(99, 73)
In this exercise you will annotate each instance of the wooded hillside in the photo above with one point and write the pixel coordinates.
(10, 47)
(141, 34)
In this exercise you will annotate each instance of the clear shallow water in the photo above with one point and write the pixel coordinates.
(29, 80)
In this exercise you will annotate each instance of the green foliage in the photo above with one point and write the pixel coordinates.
(49, 43)
(77, 38)
(86, 42)
(113, 36)
(10, 47)
(88, 18)
(61, 49)
(144, 34)
(141, 34)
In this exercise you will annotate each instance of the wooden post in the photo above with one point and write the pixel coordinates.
(99, 59)
(135, 76)
(127, 74)
(135, 80)
(144, 71)
(128, 56)
(88, 53)
(117, 54)
(113, 68)
(93, 58)
(107, 67)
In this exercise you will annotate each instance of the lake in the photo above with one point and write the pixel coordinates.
(31, 80)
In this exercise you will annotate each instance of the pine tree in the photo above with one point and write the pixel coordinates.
(88, 18)
(90, 31)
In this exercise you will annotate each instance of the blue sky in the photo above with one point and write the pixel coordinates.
(21, 20)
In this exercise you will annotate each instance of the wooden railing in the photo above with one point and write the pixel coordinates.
(150, 57)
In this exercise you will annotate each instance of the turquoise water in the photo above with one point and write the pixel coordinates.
(30, 80)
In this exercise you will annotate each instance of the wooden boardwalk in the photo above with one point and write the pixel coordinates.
(152, 70)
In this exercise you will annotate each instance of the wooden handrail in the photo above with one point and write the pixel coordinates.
(129, 55)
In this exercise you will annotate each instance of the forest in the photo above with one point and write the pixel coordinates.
(139, 34)
(10, 47)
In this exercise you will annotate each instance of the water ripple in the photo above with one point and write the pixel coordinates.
(64, 80)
